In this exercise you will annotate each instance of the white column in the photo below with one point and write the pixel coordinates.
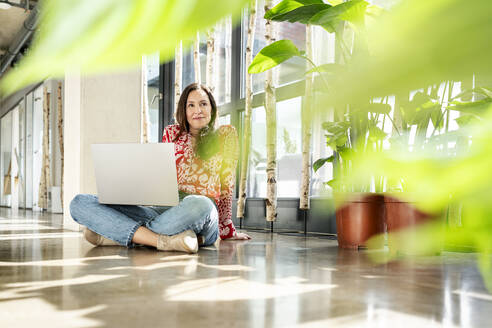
(98, 109)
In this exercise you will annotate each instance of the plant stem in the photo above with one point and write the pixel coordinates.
(317, 70)
(394, 125)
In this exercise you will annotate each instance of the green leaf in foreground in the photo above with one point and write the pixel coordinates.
(273, 55)
(99, 36)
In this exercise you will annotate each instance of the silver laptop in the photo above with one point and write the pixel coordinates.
(136, 174)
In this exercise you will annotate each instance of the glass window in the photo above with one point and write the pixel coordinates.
(257, 158)
(6, 159)
(289, 143)
(22, 154)
(37, 149)
(289, 147)
(223, 53)
(224, 120)
(289, 71)
(221, 62)
(151, 68)
(29, 149)
(320, 150)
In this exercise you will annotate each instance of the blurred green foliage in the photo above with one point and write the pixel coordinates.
(93, 36)
(413, 49)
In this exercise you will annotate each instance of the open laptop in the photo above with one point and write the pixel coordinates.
(136, 174)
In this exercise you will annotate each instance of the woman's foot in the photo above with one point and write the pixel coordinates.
(98, 240)
(185, 241)
(201, 241)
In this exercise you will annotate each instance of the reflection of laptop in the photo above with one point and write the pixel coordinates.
(136, 174)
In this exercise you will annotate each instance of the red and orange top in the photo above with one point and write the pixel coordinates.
(214, 177)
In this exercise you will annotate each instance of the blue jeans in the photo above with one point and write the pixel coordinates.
(119, 222)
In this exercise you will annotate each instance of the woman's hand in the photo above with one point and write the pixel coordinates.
(240, 236)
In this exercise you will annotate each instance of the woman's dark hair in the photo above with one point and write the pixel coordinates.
(207, 143)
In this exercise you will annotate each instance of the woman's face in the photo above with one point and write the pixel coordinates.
(198, 110)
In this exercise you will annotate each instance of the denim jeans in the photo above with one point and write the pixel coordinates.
(119, 222)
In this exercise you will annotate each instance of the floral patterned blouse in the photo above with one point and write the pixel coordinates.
(214, 177)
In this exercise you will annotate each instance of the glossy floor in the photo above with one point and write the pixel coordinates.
(50, 277)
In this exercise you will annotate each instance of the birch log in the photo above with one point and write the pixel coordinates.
(45, 167)
(210, 76)
(271, 125)
(59, 115)
(144, 137)
(306, 128)
(247, 113)
(178, 76)
(196, 59)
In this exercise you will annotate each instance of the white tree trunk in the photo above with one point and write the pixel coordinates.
(210, 76)
(44, 182)
(178, 75)
(271, 125)
(196, 58)
(306, 128)
(60, 133)
(247, 113)
(144, 103)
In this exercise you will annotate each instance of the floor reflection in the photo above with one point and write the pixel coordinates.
(270, 281)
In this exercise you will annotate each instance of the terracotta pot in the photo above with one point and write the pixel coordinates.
(359, 218)
(401, 215)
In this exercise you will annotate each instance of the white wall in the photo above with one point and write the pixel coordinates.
(98, 109)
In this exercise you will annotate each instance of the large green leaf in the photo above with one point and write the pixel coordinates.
(479, 107)
(273, 55)
(320, 162)
(301, 14)
(96, 36)
(287, 6)
(352, 11)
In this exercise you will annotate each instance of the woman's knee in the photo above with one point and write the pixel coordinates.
(79, 203)
(202, 206)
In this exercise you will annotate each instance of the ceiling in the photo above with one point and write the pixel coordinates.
(11, 22)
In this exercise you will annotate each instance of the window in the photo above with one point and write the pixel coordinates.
(224, 120)
(289, 147)
(151, 68)
(291, 70)
(221, 62)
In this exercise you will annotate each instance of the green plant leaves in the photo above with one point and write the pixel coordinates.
(336, 134)
(378, 108)
(320, 162)
(295, 10)
(376, 134)
(479, 107)
(273, 55)
(352, 11)
(98, 36)
(301, 14)
(433, 48)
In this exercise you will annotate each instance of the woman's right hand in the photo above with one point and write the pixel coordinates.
(240, 236)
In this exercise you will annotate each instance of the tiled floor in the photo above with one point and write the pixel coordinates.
(50, 277)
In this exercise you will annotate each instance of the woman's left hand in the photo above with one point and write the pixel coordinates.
(240, 236)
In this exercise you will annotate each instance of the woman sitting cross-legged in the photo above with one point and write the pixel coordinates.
(206, 162)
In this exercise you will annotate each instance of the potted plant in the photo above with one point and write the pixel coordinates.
(356, 127)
